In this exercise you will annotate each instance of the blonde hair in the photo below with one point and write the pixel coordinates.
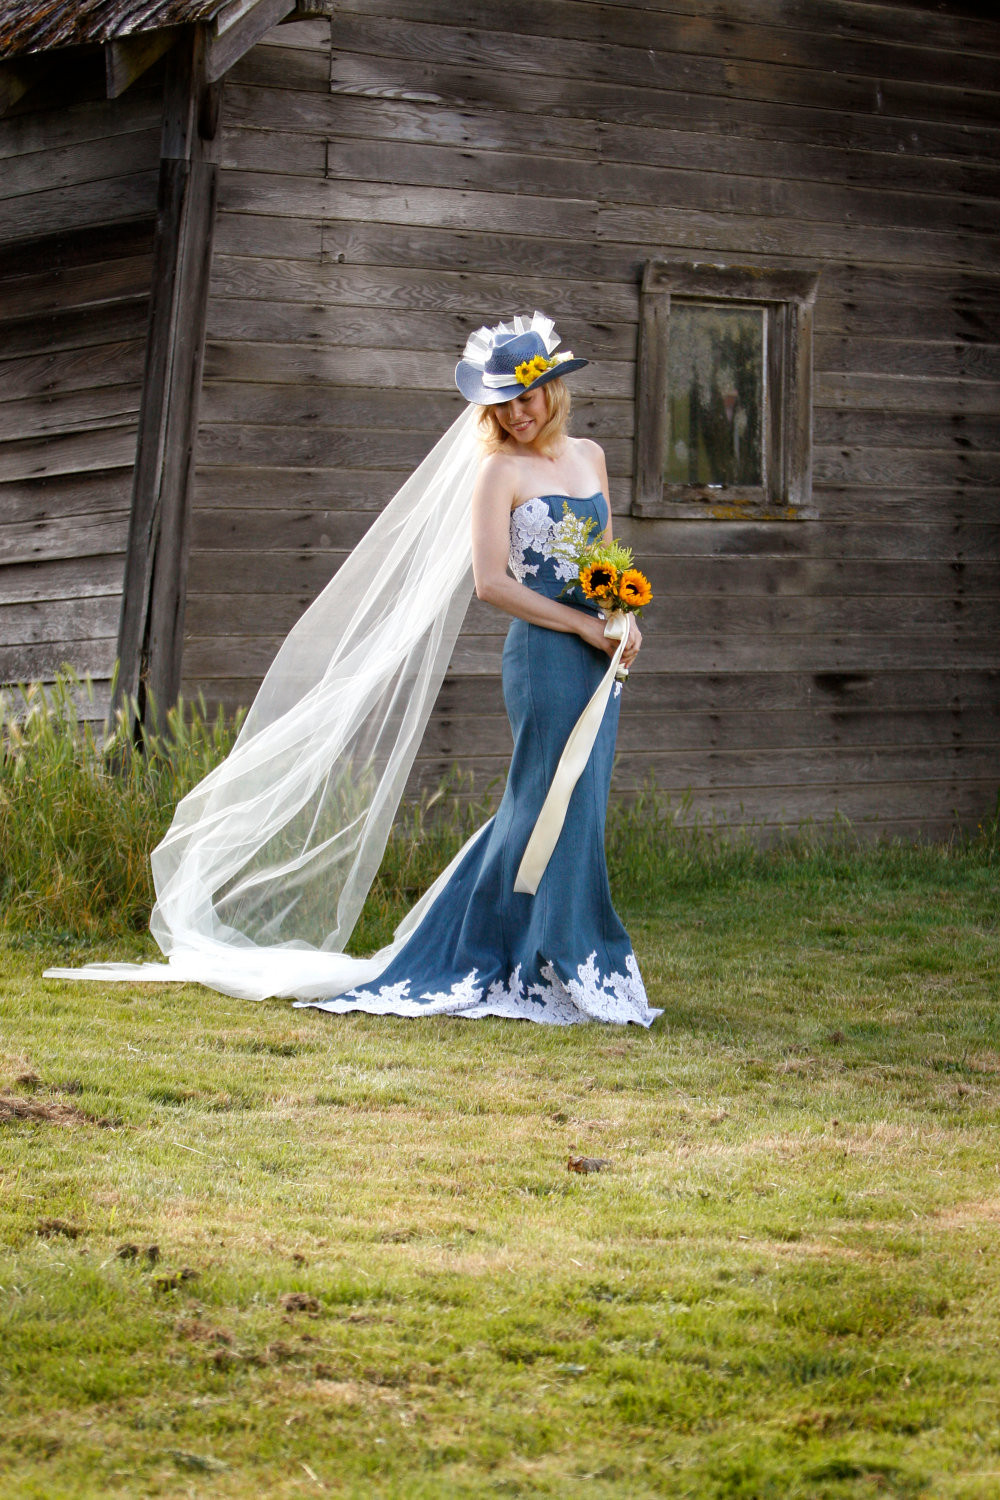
(557, 404)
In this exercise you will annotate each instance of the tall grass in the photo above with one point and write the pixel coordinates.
(81, 806)
(656, 847)
(81, 809)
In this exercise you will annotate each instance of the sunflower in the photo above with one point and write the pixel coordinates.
(599, 578)
(531, 369)
(634, 589)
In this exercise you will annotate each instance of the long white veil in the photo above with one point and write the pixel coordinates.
(264, 870)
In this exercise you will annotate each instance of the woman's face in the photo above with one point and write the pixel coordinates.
(525, 416)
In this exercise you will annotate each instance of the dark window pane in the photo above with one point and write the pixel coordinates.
(715, 394)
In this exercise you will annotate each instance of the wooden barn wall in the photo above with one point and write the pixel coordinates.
(430, 168)
(78, 178)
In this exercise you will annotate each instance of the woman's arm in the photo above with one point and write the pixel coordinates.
(491, 507)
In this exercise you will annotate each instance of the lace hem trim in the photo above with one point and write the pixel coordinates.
(590, 996)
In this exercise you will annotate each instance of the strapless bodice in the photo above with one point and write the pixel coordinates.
(534, 529)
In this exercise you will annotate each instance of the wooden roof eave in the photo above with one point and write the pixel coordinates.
(127, 58)
(231, 28)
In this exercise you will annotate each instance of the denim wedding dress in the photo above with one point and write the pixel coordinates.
(562, 955)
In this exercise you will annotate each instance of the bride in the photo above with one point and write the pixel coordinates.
(264, 870)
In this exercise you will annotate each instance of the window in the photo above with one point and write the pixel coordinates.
(723, 405)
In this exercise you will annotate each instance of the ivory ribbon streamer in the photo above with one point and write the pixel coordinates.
(576, 753)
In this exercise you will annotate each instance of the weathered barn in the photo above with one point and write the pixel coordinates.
(241, 243)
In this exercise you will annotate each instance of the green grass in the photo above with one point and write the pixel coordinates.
(784, 1285)
(80, 810)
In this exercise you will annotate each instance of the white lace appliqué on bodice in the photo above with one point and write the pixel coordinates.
(532, 529)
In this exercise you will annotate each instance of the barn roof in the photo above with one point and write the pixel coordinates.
(40, 25)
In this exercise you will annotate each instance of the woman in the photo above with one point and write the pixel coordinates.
(485, 946)
(263, 872)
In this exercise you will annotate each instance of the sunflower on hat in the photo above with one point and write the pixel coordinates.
(529, 370)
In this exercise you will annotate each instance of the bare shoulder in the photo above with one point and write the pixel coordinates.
(496, 467)
(591, 455)
(587, 448)
(497, 479)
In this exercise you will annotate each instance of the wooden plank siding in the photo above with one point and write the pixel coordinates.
(393, 179)
(77, 208)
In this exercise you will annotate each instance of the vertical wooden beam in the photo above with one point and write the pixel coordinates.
(151, 627)
(776, 411)
(799, 422)
(651, 394)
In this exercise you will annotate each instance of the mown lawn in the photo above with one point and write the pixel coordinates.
(373, 1273)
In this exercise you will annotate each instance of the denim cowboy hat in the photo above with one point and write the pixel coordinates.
(511, 360)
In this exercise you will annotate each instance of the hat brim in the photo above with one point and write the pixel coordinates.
(468, 378)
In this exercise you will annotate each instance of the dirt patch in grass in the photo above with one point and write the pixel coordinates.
(49, 1229)
(196, 1331)
(15, 1107)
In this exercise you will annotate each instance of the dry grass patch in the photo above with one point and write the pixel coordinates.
(969, 1215)
(44, 1111)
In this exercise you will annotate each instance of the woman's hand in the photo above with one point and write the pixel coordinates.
(633, 643)
(592, 631)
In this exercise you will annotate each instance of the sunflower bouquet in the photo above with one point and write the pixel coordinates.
(605, 572)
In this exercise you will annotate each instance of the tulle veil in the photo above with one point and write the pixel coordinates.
(262, 874)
